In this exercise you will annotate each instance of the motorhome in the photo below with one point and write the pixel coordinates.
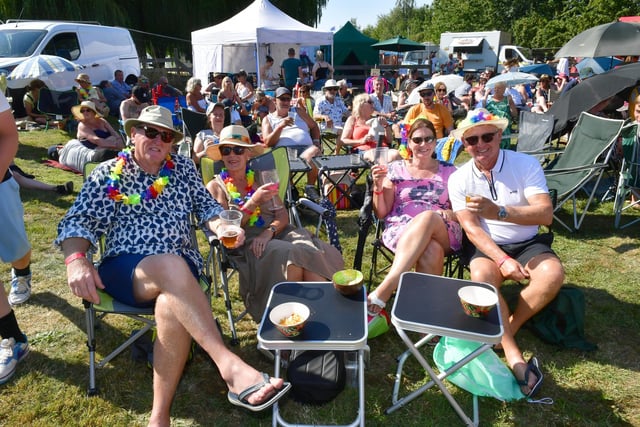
(483, 49)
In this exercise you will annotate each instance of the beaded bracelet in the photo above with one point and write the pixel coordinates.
(245, 210)
(378, 192)
(74, 256)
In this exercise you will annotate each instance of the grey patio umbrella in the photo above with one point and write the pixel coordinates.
(590, 92)
(615, 38)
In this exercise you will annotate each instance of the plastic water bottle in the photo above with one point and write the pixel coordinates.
(296, 88)
(293, 113)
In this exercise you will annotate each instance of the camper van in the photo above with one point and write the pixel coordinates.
(98, 49)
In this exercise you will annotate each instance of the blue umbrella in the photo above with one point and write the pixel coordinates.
(41, 66)
(538, 69)
(599, 65)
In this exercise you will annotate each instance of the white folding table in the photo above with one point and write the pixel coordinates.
(429, 305)
(336, 322)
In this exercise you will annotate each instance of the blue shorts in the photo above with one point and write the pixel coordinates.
(117, 276)
(14, 243)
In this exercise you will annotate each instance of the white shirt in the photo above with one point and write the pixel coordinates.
(516, 176)
(295, 135)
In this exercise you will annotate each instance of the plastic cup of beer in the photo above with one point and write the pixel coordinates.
(230, 235)
(230, 227)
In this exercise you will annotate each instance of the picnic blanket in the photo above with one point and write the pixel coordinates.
(56, 164)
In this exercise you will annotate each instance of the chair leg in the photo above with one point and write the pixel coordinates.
(90, 317)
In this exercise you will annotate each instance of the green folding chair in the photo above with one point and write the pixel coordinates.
(628, 189)
(582, 164)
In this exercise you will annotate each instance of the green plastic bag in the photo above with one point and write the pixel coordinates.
(486, 375)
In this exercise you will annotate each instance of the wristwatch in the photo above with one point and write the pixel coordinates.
(502, 213)
(273, 229)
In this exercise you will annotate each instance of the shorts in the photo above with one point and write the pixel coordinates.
(14, 243)
(117, 276)
(523, 252)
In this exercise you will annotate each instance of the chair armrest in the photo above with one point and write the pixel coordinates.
(309, 204)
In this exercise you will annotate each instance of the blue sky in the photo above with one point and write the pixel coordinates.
(338, 12)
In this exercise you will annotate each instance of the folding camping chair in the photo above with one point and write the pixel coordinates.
(628, 189)
(110, 306)
(534, 135)
(57, 104)
(583, 163)
(192, 123)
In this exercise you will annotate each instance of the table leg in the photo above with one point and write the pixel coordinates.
(437, 379)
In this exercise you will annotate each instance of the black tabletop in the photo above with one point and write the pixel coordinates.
(336, 322)
(430, 304)
(298, 165)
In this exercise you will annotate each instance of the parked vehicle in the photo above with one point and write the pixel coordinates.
(483, 49)
(98, 49)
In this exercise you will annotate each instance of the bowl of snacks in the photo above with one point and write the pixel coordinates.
(477, 301)
(289, 318)
(348, 282)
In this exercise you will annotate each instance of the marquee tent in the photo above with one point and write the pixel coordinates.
(351, 47)
(244, 40)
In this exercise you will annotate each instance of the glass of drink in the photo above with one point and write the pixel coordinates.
(230, 227)
(271, 177)
(472, 189)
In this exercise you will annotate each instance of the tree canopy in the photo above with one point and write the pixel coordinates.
(174, 20)
(541, 24)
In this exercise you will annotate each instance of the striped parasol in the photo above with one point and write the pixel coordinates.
(41, 66)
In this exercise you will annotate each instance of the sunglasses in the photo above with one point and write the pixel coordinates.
(285, 99)
(419, 140)
(486, 138)
(152, 133)
(86, 110)
(369, 102)
(427, 93)
(225, 151)
(441, 90)
(332, 89)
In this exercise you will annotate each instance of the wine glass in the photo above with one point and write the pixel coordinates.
(271, 177)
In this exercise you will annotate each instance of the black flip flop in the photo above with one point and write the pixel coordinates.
(241, 399)
(533, 366)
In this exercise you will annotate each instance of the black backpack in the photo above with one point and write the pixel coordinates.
(316, 376)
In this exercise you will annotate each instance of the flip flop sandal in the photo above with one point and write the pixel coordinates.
(241, 398)
(533, 366)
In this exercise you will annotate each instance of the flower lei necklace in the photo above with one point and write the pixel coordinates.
(255, 218)
(154, 190)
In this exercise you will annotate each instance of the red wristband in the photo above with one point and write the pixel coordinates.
(378, 192)
(503, 260)
(74, 256)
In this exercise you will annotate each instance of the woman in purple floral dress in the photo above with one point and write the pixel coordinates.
(420, 227)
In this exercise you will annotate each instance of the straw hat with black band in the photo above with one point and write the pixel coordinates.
(154, 115)
(234, 135)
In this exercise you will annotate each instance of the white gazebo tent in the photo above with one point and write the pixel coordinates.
(243, 41)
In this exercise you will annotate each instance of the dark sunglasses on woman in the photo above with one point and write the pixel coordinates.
(225, 151)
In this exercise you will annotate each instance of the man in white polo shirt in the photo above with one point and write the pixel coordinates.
(500, 198)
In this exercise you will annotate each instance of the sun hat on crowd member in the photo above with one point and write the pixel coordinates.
(479, 117)
(234, 135)
(282, 91)
(75, 110)
(331, 84)
(83, 78)
(154, 115)
(343, 83)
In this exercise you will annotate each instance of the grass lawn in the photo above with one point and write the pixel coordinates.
(595, 388)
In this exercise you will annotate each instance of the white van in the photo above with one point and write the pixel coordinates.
(98, 49)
